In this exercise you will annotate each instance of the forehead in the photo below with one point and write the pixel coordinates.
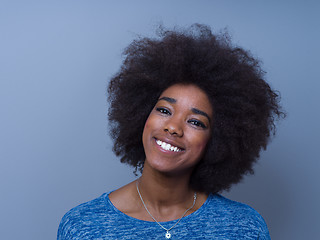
(189, 95)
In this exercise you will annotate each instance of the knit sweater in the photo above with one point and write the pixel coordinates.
(218, 218)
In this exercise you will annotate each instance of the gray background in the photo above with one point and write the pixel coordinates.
(55, 60)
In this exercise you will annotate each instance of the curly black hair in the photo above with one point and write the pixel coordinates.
(245, 107)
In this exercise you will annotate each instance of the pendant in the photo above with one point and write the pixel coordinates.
(168, 235)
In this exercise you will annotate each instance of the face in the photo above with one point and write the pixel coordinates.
(178, 129)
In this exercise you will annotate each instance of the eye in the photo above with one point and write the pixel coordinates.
(197, 123)
(163, 110)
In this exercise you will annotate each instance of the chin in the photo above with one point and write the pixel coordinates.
(169, 168)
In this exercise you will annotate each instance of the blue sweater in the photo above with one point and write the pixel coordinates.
(217, 218)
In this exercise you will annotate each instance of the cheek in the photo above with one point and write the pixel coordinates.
(147, 129)
(147, 126)
(152, 123)
(201, 144)
(201, 147)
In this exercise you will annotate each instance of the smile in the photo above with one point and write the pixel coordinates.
(168, 146)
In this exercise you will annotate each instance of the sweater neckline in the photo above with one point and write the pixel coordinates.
(192, 215)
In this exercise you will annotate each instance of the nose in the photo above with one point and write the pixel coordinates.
(173, 127)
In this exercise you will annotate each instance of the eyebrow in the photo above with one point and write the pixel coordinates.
(194, 110)
(197, 111)
(168, 99)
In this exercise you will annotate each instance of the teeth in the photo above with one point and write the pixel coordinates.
(167, 146)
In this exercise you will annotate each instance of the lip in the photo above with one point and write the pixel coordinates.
(171, 142)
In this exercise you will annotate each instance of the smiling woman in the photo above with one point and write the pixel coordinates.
(176, 132)
(191, 112)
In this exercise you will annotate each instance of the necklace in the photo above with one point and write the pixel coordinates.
(168, 234)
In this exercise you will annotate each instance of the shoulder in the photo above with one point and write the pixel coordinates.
(230, 207)
(123, 199)
(235, 215)
(83, 216)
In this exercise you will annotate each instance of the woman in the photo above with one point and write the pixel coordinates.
(191, 112)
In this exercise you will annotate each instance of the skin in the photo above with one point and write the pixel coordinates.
(182, 117)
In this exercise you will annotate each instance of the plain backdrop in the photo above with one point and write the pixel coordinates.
(56, 58)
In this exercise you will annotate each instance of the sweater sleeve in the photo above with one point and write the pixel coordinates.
(64, 228)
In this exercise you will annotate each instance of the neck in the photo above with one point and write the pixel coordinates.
(162, 191)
